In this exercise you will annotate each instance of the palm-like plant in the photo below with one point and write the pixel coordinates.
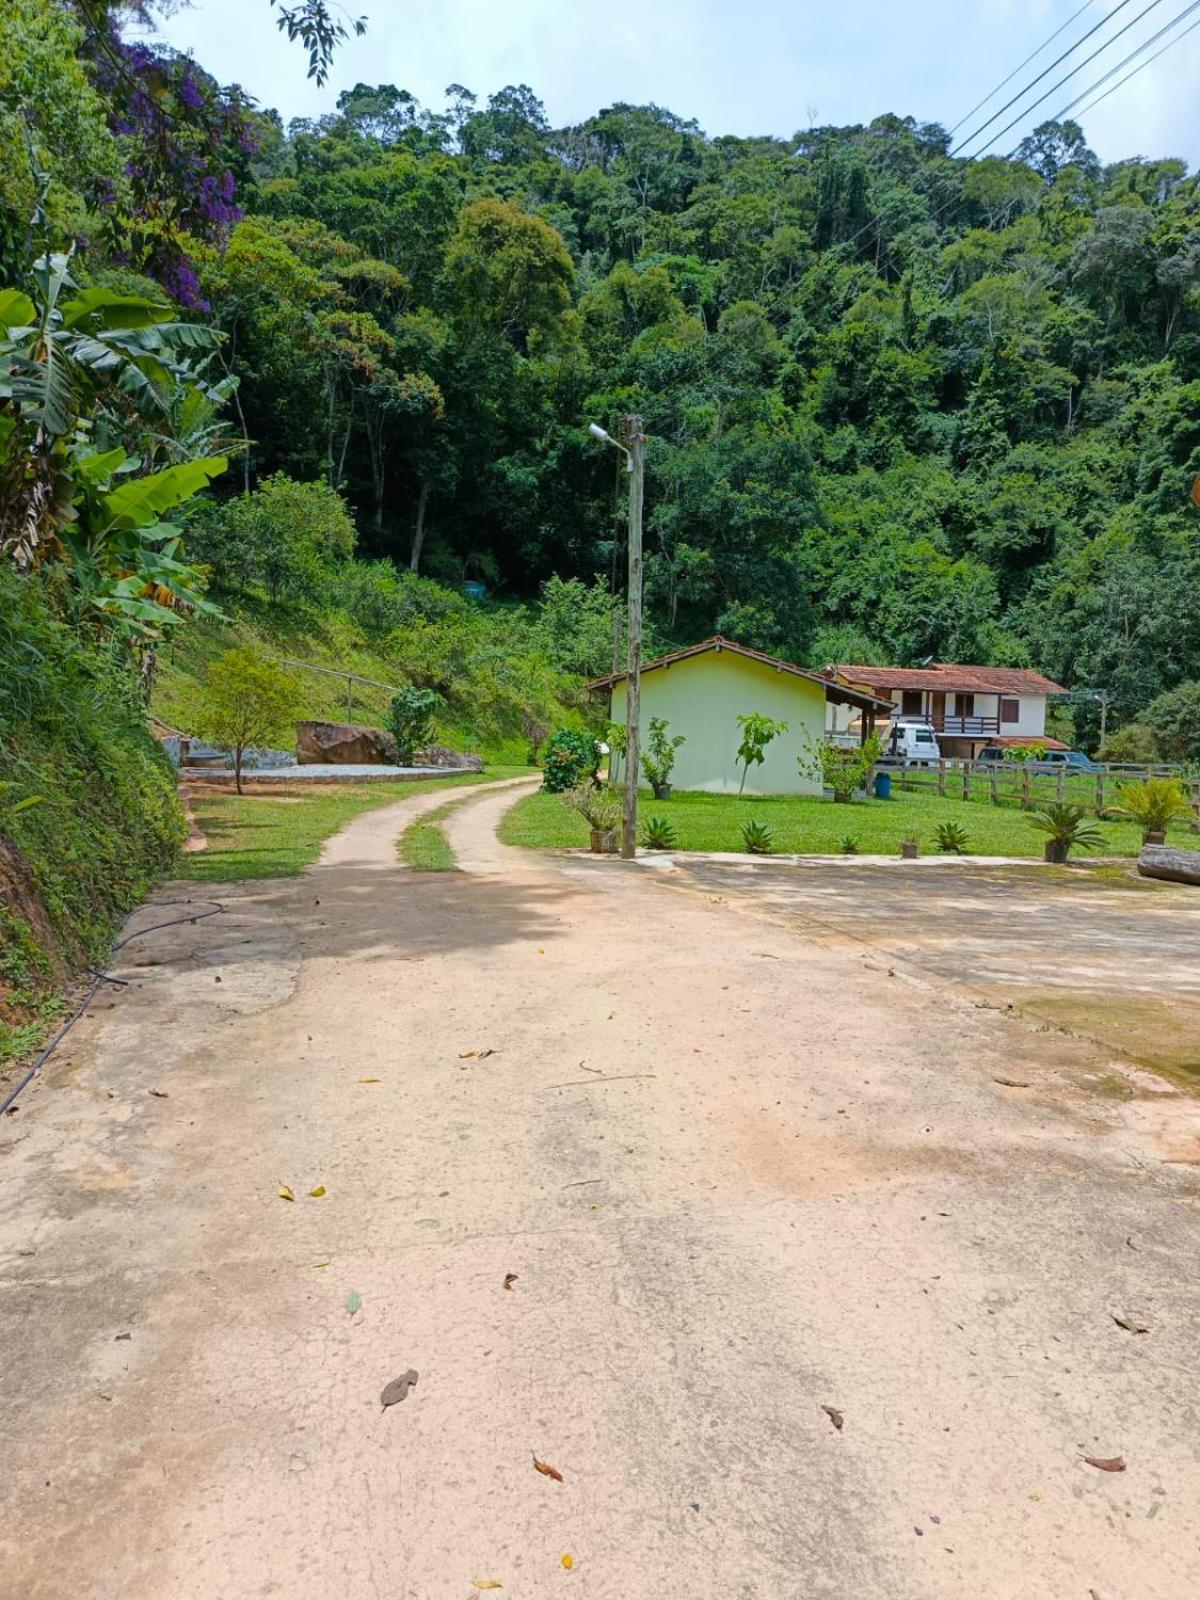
(1066, 828)
(1153, 805)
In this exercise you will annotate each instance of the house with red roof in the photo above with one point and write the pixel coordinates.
(969, 707)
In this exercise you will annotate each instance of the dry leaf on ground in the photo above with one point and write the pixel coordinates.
(465, 1055)
(398, 1389)
(316, 1193)
(1106, 1463)
(1131, 1324)
(160, 1094)
(486, 1583)
(370, 1080)
(509, 1279)
(835, 1416)
(546, 1470)
(284, 1192)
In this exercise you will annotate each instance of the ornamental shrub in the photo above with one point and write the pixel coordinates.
(571, 758)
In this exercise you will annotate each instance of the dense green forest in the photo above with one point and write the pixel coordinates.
(899, 404)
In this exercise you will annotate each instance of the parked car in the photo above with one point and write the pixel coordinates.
(1073, 760)
(913, 741)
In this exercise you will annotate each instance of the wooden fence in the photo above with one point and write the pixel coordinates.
(1026, 784)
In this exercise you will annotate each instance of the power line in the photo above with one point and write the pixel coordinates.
(1046, 43)
(1066, 77)
(1021, 93)
(1132, 56)
(1141, 67)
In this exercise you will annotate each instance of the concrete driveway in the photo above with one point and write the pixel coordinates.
(1090, 948)
(814, 1258)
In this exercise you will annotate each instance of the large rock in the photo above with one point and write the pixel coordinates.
(436, 755)
(342, 744)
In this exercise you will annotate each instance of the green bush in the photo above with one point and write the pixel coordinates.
(951, 839)
(286, 539)
(757, 839)
(410, 718)
(571, 758)
(89, 815)
(658, 834)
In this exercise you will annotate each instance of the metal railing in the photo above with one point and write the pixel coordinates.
(350, 679)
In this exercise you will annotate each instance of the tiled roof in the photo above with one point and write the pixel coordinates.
(952, 676)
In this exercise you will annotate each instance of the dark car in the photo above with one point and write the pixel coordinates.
(1073, 760)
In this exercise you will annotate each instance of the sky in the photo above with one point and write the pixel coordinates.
(754, 67)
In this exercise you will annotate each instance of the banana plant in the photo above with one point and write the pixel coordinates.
(126, 560)
(69, 355)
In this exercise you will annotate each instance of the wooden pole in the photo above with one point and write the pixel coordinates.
(633, 441)
(942, 779)
(1025, 786)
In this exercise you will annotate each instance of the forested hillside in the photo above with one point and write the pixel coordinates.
(900, 404)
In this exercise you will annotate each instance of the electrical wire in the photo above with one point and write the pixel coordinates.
(103, 977)
(979, 105)
(1066, 77)
(1058, 60)
(1132, 56)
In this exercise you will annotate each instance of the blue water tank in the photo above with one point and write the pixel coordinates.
(883, 786)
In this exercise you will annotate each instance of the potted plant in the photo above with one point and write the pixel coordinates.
(659, 759)
(601, 809)
(1066, 828)
(845, 771)
(910, 849)
(1153, 805)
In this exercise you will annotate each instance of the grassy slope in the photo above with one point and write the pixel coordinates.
(330, 639)
(278, 835)
(807, 825)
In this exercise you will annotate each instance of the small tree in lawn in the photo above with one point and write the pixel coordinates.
(248, 701)
(410, 719)
(757, 733)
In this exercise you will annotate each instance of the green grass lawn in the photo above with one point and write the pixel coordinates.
(810, 825)
(424, 846)
(269, 835)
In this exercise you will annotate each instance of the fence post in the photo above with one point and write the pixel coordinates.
(1099, 794)
(966, 780)
(1024, 786)
(349, 697)
(995, 784)
(942, 779)
(1060, 783)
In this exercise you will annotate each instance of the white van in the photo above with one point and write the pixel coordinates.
(913, 741)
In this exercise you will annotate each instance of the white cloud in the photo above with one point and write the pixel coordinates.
(756, 68)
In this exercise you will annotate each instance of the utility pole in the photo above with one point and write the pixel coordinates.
(633, 440)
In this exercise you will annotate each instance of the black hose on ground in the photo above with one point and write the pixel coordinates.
(216, 908)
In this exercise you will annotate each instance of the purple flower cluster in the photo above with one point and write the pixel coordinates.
(184, 139)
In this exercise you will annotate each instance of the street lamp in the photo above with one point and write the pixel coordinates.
(631, 429)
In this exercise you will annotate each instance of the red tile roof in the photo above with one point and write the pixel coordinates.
(953, 676)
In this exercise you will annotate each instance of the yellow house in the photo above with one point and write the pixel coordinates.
(703, 690)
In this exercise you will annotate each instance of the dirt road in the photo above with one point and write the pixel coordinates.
(740, 1173)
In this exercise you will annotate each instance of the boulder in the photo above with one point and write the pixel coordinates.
(343, 744)
(436, 755)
